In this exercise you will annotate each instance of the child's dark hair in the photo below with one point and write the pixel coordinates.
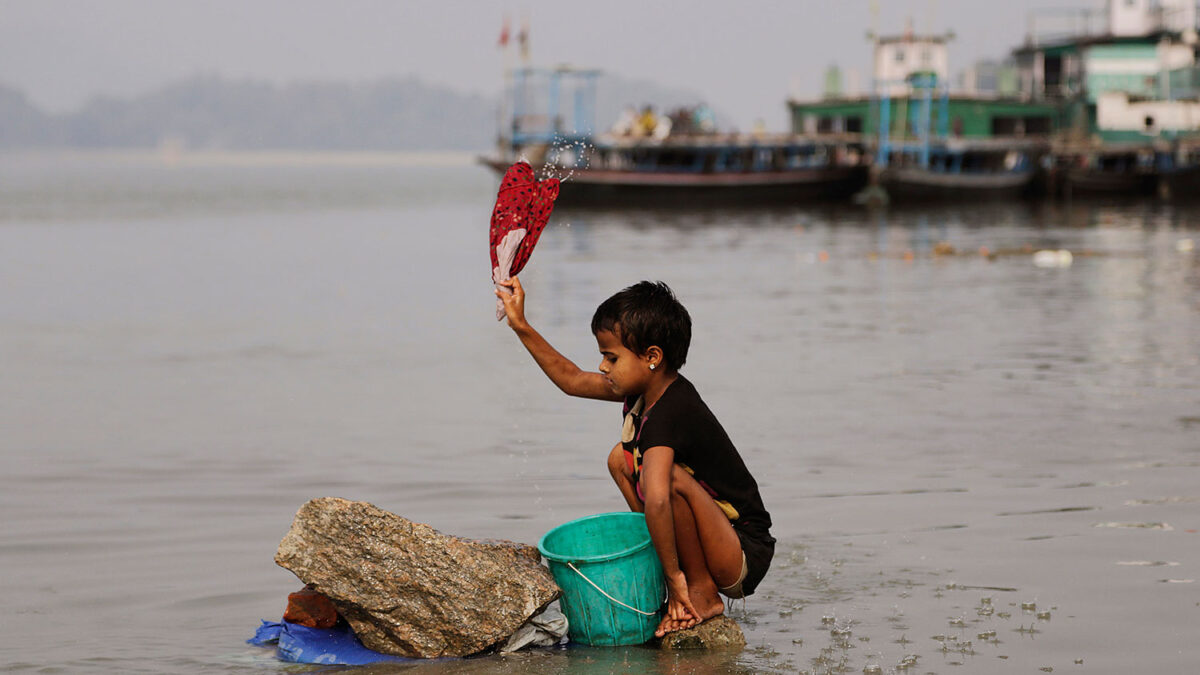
(644, 315)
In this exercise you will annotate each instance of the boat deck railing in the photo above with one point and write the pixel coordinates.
(725, 140)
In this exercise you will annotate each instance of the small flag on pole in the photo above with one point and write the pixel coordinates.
(504, 33)
(523, 39)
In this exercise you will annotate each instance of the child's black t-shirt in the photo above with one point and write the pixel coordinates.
(680, 420)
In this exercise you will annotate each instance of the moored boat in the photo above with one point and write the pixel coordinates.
(734, 169)
(1179, 171)
(675, 158)
(1112, 171)
(957, 169)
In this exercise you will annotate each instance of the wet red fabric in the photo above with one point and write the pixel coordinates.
(522, 202)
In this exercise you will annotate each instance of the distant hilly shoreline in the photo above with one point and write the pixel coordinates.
(214, 113)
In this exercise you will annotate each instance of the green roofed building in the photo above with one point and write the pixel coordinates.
(1125, 72)
(910, 89)
(959, 115)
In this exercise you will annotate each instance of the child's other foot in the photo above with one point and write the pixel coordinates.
(710, 609)
(706, 601)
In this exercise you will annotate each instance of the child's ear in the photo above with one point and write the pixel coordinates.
(654, 354)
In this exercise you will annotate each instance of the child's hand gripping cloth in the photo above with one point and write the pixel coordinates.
(523, 206)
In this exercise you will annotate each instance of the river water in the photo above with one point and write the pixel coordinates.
(975, 464)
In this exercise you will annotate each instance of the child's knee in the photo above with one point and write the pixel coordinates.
(616, 461)
(679, 478)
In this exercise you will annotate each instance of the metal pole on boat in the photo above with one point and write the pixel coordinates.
(552, 103)
(885, 124)
(944, 113)
(518, 106)
(927, 83)
(577, 123)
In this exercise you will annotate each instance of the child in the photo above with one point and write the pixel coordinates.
(674, 462)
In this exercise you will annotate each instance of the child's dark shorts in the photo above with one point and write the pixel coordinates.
(757, 552)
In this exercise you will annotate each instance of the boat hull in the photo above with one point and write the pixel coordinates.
(616, 188)
(1088, 181)
(921, 184)
(1182, 184)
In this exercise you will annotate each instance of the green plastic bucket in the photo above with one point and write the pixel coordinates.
(611, 579)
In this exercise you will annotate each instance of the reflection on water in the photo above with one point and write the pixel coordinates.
(974, 463)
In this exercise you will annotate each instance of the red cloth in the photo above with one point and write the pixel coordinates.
(309, 608)
(522, 202)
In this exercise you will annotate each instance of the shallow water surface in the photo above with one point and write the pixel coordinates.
(974, 464)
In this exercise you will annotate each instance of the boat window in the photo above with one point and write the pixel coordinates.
(1005, 126)
(1039, 125)
(763, 159)
(643, 159)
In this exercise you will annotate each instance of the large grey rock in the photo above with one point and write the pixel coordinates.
(719, 632)
(409, 590)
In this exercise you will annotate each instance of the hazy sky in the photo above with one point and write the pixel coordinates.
(744, 56)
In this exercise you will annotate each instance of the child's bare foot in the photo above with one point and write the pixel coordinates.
(709, 610)
(669, 625)
(707, 605)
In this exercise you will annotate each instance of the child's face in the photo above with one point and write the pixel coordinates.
(626, 372)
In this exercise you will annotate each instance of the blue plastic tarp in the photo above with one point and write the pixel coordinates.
(330, 646)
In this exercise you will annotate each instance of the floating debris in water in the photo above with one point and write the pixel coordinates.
(1064, 509)
(1162, 500)
(986, 635)
(1060, 258)
(964, 587)
(1178, 581)
(872, 669)
(1043, 616)
(943, 248)
(1029, 606)
(1148, 563)
(1144, 526)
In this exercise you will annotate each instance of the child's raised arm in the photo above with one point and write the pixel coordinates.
(563, 372)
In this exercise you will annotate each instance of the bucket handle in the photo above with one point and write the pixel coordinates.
(634, 609)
